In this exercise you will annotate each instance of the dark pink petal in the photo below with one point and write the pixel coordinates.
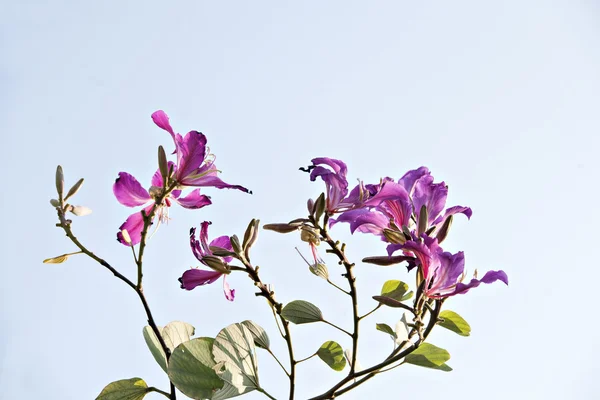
(431, 195)
(194, 200)
(225, 243)
(334, 176)
(191, 153)
(157, 179)
(409, 179)
(200, 247)
(451, 211)
(161, 119)
(197, 277)
(489, 277)
(229, 293)
(129, 192)
(447, 272)
(212, 181)
(134, 225)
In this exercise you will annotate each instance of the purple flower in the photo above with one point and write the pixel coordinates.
(424, 192)
(394, 205)
(333, 172)
(130, 193)
(443, 272)
(201, 249)
(194, 166)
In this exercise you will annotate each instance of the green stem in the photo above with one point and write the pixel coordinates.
(337, 327)
(65, 224)
(278, 362)
(153, 389)
(370, 372)
(277, 307)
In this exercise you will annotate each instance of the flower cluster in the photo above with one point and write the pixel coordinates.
(195, 167)
(409, 215)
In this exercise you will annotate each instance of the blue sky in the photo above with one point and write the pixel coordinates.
(500, 100)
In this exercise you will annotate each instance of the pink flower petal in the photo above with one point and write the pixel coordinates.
(134, 225)
(197, 277)
(194, 200)
(129, 192)
(229, 293)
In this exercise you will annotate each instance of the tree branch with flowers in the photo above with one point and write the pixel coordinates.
(407, 214)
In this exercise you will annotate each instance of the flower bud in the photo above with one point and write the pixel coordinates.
(74, 189)
(55, 203)
(80, 211)
(444, 229)
(394, 237)
(251, 234)
(60, 182)
(422, 220)
(215, 263)
(319, 207)
(235, 243)
(163, 165)
(281, 228)
(320, 270)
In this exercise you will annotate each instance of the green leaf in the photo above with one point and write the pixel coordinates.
(333, 355)
(124, 389)
(396, 290)
(301, 312)
(261, 339)
(388, 301)
(429, 356)
(155, 347)
(455, 323)
(385, 328)
(234, 353)
(191, 369)
(174, 334)
(177, 332)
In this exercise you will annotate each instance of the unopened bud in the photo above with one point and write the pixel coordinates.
(74, 189)
(281, 228)
(394, 237)
(80, 211)
(55, 203)
(250, 235)
(235, 243)
(423, 215)
(444, 229)
(319, 207)
(163, 165)
(60, 181)
(215, 263)
(310, 205)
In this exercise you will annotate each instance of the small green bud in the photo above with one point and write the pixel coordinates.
(444, 229)
(216, 263)
(394, 237)
(74, 189)
(55, 203)
(163, 165)
(60, 182)
(423, 216)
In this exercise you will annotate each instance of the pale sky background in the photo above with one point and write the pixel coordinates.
(499, 99)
